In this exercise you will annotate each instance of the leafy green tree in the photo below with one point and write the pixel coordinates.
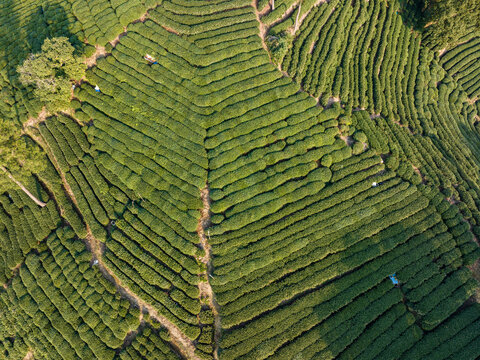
(52, 72)
(19, 157)
(446, 21)
(279, 45)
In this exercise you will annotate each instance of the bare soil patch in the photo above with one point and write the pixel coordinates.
(204, 287)
(33, 122)
(99, 53)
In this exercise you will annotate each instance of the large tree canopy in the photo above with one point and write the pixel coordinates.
(447, 21)
(51, 72)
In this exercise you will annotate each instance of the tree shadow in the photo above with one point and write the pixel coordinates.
(411, 13)
(22, 34)
(50, 21)
(21, 37)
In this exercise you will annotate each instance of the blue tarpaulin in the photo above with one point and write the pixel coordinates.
(394, 279)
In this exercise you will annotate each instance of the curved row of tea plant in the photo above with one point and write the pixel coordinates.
(61, 306)
(305, 229)
(461, 63)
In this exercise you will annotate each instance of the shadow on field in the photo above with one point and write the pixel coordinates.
(411, 12)
(23, 32)
(21, 35)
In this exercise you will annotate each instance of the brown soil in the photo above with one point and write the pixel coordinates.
(14, 273)
(475, 268)
(472, 101)
(143, 17)
(100, 50)
(263, 29)
(401, 125)
(300, 20)
(99, 53)
(29, 355)
(204, 287)
(452, 200)
(358, 108)
(286, 14)
(348, 140)
(170, 30)
(115, 41)
(332, 100)
(417, 170)
(265, 10)
(33, 122)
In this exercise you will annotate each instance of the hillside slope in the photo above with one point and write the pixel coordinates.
(230, 203)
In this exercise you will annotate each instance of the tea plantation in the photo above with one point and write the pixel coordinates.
(240, 179)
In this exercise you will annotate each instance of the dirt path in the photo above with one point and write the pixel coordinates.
(406, 127)
(472, 101)
(33, 122)
(170, 30)
(286, 14)
(14, 273)
(99, 53)
(22, 187)
(29, 355)
(300, 20)
(347, 139)
(417, 170)
(115, 41)
(205, 287)
(183, 344)
(263, 29)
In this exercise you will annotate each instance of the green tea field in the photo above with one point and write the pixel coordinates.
(237, 179)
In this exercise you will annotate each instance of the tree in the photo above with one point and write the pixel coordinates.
(279, 45)
(52, 72)
(19, 157)
(446, 21)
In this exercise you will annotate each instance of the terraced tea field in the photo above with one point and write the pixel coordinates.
(250, 193)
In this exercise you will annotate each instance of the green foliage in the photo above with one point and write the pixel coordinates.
(51, 72)
(304, 230)
(278, 45)
(19, 155)
(447, 21)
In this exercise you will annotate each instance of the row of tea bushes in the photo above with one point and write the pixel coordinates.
(461, 63)
(62, 307)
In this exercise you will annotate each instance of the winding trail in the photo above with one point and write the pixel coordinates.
(180, 341)
(204, 286)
